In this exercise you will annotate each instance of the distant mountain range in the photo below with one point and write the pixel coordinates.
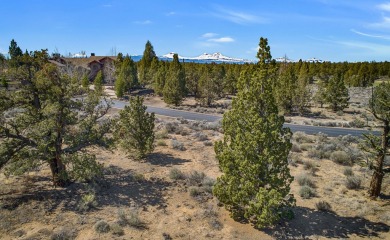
(206, 58)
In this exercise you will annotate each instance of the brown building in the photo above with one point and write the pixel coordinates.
(90, 66)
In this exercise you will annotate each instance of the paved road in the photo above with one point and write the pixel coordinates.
(330, 131)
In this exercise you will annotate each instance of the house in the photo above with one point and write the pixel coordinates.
(90, 66)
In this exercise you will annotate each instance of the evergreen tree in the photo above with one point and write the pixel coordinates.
(14, 50)
(85, 81)
(320, 95)
(98, 83)
(379, 145)
(159, 79)
(145, 63)
(208, 86)
(255, 181)
(127, 78)
(285, 89)
(51, 125)
(175, 86)
(135, 129)
(302, 95)
(337, 93)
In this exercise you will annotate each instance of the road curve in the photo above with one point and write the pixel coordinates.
(330, 131)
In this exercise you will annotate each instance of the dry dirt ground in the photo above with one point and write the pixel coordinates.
(167, 195)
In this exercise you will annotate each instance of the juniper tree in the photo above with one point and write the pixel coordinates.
(175, 84)
(145, 63)
(336, 94)
(98, 82)
(135, 129)
(302, 94)
(285, 88)
(379, 145)
(45, 122)
(255, 180)
(127, 78)
(85, 81)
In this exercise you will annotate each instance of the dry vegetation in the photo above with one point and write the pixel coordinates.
(168, 195)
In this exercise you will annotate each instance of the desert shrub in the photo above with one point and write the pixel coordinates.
(357, 123)
(301, 137)
(176, 174)
(348, 171)
(194, 191)
(306, 192)
(117, 230)
(207, 184)
(341, 157)
(138, 177)
(295, 148)
(63, 234)
(133, 219)
(83, 167)
(353, 182)
(196, 178)
(182, 120)
(161, 143)
(305, 180)
(323, 206)
(87, 202)
(172, 127)
(201, 136)
(208, 143)
(348, 139)
(305, 146)
(310, 166)
(322, 137)
(162, 134)
(340, 113)
(101, 226)
(316, 153)
(177, 145)
(215, 224)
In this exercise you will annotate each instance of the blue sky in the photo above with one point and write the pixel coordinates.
(335, 30)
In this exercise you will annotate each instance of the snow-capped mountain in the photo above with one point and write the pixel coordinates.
(207, 57)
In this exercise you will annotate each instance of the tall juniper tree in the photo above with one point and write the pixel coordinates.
(255, 181)
(175, 84)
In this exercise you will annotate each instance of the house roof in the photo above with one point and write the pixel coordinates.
(84, 62)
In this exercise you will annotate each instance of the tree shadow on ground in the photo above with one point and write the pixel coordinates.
(162, 159)
(118, 188)
(308, 222)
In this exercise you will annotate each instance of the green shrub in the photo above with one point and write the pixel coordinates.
(194, 191)
(348, 171)
(117, 230)
(323, 206)
(310, 166)
(305, 180)
(161, 143)
(306, 192)
(196, 178)
(341, 157)
(176, 174)
(162, 134)
(101, 226)
(353, 182)
(87, 202)
(177, 145)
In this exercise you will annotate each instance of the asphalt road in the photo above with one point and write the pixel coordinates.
(330, 131)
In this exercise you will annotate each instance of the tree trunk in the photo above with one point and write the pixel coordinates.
(376, 180)
(58, 171)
